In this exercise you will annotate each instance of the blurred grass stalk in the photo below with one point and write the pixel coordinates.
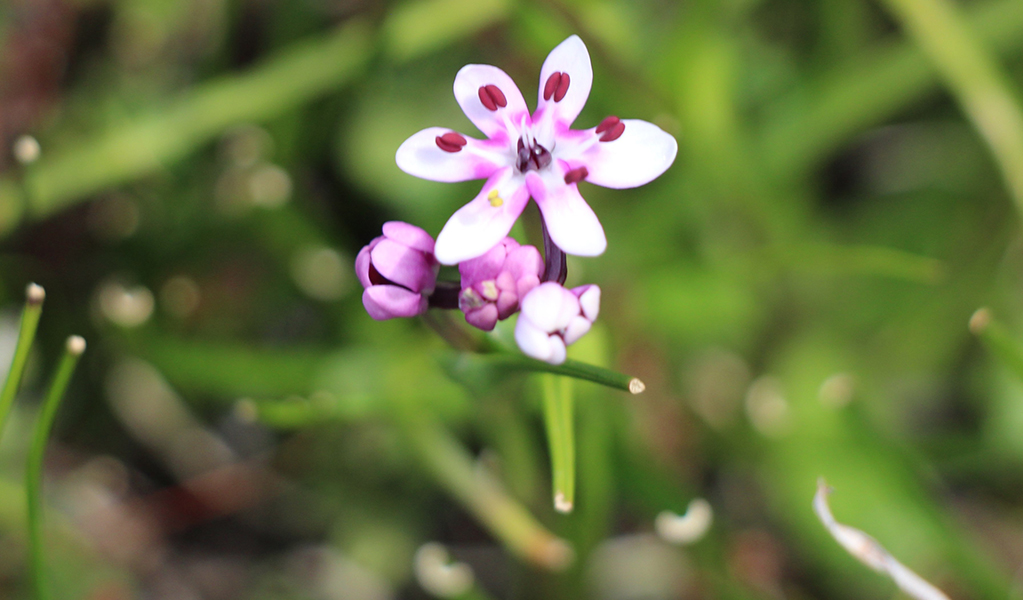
(558, 401)
(506, 361)
(306, 70)
(998, 341)
(34, 470)
(974, 77)
(482, 494)
(34, 297)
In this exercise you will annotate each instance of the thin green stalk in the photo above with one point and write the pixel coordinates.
(503, 361)
(34, 296)
(483, 496)
(998, 341)
(34, 470)
(559, 418)
(974, 77)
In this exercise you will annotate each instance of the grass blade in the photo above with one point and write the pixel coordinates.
(559, 419)
(501, 361)
(34, 469)
(34, 296)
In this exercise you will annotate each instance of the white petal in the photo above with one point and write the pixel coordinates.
(639, 156)
(482, 223)
(536, 343)
(478, 159)
(576, 329)
(494, 123)
(550, 307)
(589, 300)
(570, 221)
(569, 57)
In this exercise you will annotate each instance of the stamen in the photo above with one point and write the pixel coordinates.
(576, 175)
(612, 128)
(450, 142)
(495, 199)
(562, 87)
(556, 86)
(492, 97)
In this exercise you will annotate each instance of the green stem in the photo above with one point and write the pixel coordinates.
(570, 368)
(974, 77)
(34, 468)
(484, 497)
(559, 419)
(34, 296)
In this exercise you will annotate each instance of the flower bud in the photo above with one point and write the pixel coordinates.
(493, 284)
(553, 318)
(398, 270)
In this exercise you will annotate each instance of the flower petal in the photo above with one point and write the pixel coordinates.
(420, 155)
(589, 300)
(550, 307)
(482, 223)
(571, 58)
(639, 156)
(362, 262)
(384, 302)
(409, 235)
(482, 268)
(536, 343)
(469, 90)
(403, 265)
(570, 222)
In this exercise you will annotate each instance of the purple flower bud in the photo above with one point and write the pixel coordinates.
(553, 318)
(493, 284)
(398, 270)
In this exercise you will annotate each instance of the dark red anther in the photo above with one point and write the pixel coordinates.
(556, 86)
(607, 123)
(614, 133)
(492, 97)
(450, 142)
(562, 87)
(576, 175)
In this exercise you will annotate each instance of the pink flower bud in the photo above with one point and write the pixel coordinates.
(553, 318)
(398, 270)
(493, 284)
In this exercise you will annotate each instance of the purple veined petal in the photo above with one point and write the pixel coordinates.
(362, 261)
(472, 88)
(404, 266)
(409, 235)
(561, 99)
(537, 343)
(483, 222)
(642, 153)
(570, 222)
(384, 302)
(484, 267)
(589, 300)
(422, 155)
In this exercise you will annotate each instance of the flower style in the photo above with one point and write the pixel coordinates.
(398, 270)
(536, 156)
(553, 318)
(492, 284)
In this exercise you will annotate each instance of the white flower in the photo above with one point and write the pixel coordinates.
(554, 318)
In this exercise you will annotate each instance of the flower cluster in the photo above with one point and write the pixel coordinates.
(525, 156)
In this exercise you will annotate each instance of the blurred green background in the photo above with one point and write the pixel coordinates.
(795, 292)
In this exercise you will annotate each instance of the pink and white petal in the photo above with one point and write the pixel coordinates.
(482, 223)
(493, 123)
(537, 343)
(422, 157)
(409, 235)
(589, 300)
(404, 266)
(569, 57)
(550, 307)
(484, 317)
(384, 302)
(577, 328)
(362, 262)
(642, 154)
(570, 222)
(482, 268)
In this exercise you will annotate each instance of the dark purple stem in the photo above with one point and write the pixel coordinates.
(554, 266)
(445, 295)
